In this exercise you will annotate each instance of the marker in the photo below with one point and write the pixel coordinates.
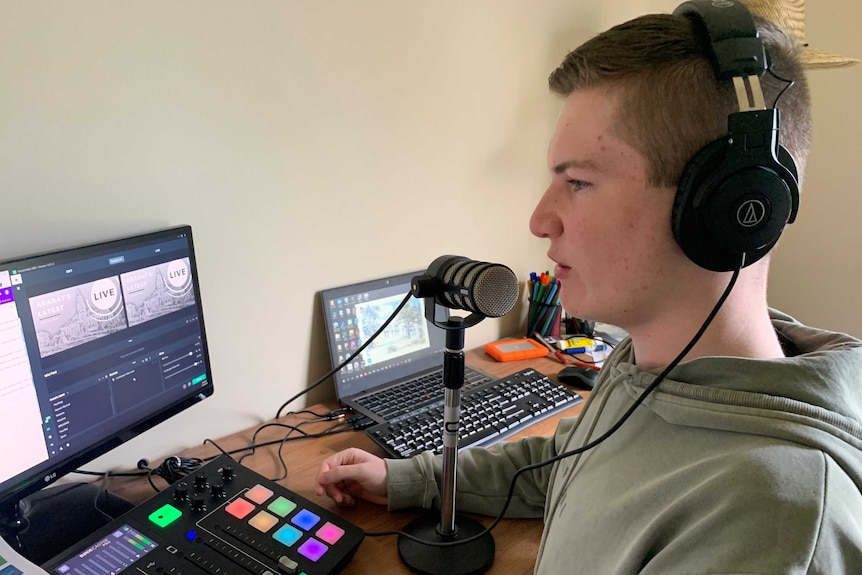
(588, 349)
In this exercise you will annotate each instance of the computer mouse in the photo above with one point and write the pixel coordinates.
(578, 376)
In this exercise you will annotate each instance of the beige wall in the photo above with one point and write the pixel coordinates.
(294, 136)
(817, 269)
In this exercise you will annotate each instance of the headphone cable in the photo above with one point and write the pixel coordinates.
(784, 89)
(350, 357)
(613, 429)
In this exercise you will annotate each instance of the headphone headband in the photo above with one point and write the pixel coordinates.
(730, 36)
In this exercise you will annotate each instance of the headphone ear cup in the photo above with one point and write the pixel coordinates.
(724, 209)
(787, 162)
(691, 235)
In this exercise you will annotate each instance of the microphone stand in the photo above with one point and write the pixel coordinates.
(423, 555)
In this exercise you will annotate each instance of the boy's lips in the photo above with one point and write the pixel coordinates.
(561, 271)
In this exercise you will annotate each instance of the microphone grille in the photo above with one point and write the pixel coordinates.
(495, 290)
(480, 287)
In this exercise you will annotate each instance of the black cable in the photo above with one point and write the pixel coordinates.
(286, 438)
(254, 445)
(780, 79)
(333, 413)
(281, 455)
(350, 357)
(111, 473)
(336, 413)
(330, 431)
(593, 443)
(103, 489)
(217, 446)
(174, 468)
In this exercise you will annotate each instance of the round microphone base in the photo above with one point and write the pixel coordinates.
(464, 559)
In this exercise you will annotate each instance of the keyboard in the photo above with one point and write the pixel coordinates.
(405, 399)
(490, 412)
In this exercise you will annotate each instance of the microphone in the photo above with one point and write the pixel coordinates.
(490, 290)
(486, 290)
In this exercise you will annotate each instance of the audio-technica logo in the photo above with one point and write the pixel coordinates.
(750, 213)
(722, 3)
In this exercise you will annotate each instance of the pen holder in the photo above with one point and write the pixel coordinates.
(543, 318)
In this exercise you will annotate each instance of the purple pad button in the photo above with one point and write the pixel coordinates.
(313, 549)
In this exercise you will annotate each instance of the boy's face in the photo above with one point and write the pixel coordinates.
(609, 230)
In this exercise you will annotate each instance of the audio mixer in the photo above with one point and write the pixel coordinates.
(225, 520)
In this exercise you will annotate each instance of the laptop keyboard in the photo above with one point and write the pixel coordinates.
(490, 412)
(401, 401)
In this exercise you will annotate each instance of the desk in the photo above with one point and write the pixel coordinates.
(517, 540)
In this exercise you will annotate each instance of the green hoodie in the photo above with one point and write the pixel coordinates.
(732, 466)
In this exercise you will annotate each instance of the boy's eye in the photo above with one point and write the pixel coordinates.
(578, 184)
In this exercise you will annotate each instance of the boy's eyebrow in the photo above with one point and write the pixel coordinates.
(578, 164)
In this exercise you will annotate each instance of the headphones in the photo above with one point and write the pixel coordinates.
(736, 193)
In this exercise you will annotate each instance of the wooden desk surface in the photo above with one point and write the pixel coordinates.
(517, 540)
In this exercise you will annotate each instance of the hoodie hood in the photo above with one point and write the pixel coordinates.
(813, 398)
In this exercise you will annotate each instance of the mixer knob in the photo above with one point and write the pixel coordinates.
(198, 502)
(227, 472)
(218, 490)
(201, 482)
(181, 491)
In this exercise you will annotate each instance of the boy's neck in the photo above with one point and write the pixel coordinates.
(741, 328)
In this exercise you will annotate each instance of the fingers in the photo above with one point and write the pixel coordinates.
(350, 475)
(345, 457)
(355, 472)
(340, 495)
(346, 464)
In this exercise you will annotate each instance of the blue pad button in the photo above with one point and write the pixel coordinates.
(305, 519)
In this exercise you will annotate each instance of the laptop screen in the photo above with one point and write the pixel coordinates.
(408, 346)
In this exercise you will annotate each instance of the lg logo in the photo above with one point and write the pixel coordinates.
(750, 213)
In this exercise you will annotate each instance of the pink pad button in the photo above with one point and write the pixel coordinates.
(330, 533)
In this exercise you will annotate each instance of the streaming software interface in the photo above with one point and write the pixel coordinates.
(93, 340)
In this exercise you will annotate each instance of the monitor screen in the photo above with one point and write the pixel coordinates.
(97, 344)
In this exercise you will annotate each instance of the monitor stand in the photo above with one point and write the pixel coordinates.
(55, 518)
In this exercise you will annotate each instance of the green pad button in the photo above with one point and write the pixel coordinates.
(282, 507)
(165, 515)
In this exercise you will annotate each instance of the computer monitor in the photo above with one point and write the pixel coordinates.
(97, 344)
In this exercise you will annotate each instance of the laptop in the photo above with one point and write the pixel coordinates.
(401, 369)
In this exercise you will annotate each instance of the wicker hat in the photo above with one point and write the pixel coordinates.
(790, 16)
